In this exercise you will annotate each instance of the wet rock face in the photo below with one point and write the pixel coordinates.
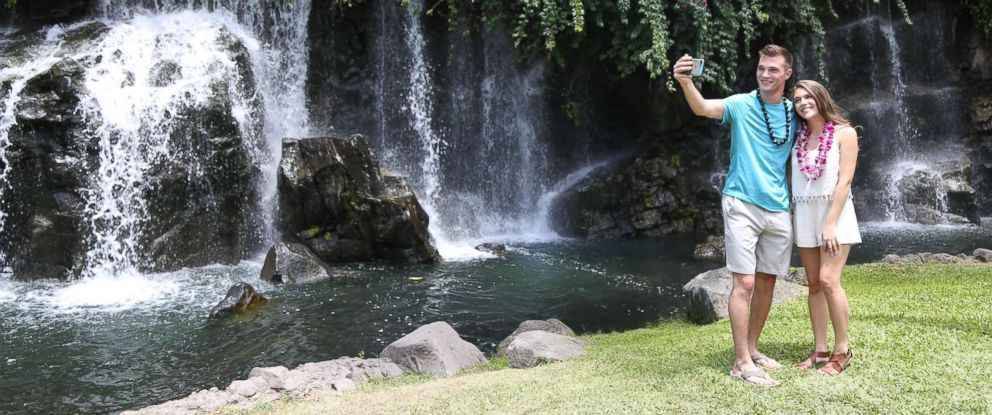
(33, 13)
(335, 200)
(206, 187)
(240, 297)
(941, 193)
(660, 192)
(293, 263)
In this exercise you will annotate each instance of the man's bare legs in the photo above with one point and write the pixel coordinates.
(761, 305)
(748, 309)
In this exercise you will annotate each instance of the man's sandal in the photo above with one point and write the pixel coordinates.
(837, 363)
(765, 361)
(814, 359)
(755, 377)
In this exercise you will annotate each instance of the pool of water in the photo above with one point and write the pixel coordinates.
(106, 345)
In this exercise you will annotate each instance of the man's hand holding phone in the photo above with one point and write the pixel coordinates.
(687, 67)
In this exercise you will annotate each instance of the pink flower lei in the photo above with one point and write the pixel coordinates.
(812, 172)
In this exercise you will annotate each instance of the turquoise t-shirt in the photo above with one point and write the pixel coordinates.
(757, 167)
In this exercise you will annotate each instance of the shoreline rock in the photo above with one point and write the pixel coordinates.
(709, 293)
(265, 384)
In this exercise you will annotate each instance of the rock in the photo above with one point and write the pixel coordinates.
(343, 385)
(248, 387)
(709, 292)
(492, 248)
(934, 192)
(323, 375)
(434, 348)
(931, 258)
(534, 347)
(334, 199)
(551, 325)
(293, 263)
(984, 255)
(712, 249)
(660, 191)
(274, 376)
(240, 297)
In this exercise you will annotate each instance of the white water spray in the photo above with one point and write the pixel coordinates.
(134, 117)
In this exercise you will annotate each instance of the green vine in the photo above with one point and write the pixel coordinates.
(649, 35)
(981, 11)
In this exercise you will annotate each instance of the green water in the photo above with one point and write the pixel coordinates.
(128, 342)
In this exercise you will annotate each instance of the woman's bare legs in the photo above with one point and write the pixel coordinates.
(831, 267)
(818, 310)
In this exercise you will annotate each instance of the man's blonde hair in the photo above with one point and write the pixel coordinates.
(776, 50)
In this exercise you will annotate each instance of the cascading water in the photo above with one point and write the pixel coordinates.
(897, 147)
(912, 165)
(476, 154)
(280, 66)
(142, 77)
(133, 118)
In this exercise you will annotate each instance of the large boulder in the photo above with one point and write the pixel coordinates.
(77, 181)
(709, 293)
(240, 297)
(293, 263)
(435, 349)
(551, 325)
(335, 199)
(662, 191)
(932, 192)
(538, 346)
(982, 254)
(712, 249)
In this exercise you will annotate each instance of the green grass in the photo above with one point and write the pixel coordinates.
(921, 335)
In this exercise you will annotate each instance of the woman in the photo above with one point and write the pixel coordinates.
(822, 166)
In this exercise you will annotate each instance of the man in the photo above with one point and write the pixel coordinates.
(757, 222)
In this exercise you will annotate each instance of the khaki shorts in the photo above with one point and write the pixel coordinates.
(757, 240)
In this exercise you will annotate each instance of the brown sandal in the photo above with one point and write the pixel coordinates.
(814, 359)
(837, 363)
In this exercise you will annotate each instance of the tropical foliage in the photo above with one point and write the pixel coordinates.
(649, 35)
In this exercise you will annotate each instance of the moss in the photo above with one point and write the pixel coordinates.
(313, 231)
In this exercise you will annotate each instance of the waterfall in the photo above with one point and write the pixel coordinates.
(897, 147)
(912, 166)
(280, 66)
(13, 79)
(475, 151)
(143, 72)
(134, 119)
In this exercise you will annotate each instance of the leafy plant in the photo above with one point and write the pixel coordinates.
(650, 35)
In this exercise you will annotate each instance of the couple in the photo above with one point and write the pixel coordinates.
(777, 146)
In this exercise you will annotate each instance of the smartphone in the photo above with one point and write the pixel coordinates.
(697, 67)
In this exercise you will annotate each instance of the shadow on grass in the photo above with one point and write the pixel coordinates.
(786, 353)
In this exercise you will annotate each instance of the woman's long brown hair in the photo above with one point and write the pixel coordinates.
(824, 104)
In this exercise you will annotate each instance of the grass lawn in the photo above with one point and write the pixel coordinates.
(921, 336)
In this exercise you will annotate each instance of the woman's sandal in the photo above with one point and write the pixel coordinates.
(837, 363)
(814, 359)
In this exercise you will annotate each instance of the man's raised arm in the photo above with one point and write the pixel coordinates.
(709, 108)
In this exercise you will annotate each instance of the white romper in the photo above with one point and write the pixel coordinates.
(812, 201)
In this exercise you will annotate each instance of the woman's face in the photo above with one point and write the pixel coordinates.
(805, 104)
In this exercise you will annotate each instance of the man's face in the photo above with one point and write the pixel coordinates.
(772, 74)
